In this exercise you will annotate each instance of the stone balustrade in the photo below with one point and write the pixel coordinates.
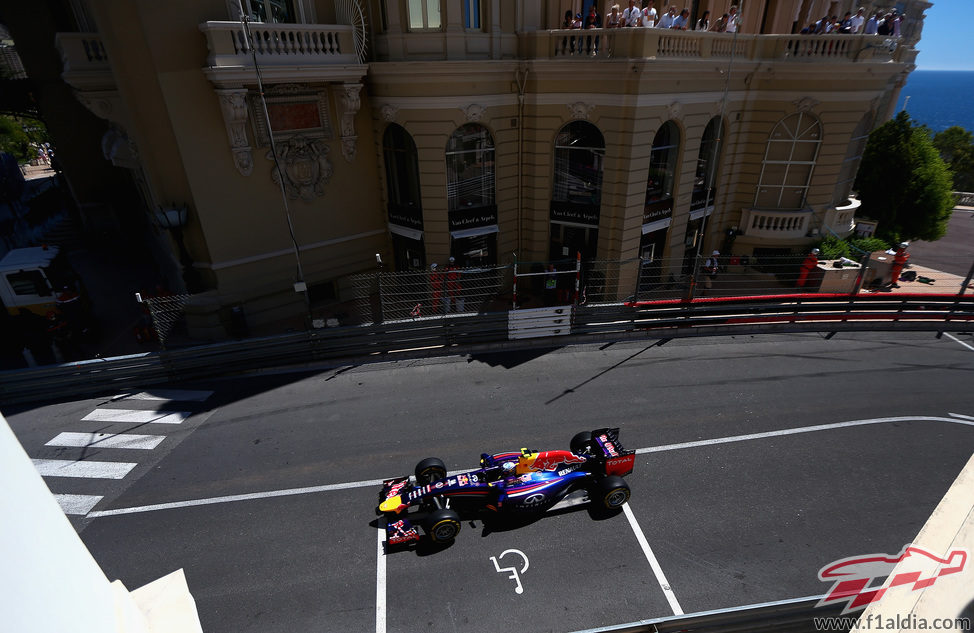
(777, 225)
(279, 44)
(660, 44)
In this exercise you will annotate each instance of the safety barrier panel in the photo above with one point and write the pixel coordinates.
(427, 336)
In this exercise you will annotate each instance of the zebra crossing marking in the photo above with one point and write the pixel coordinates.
(107, 440)
(137, 416)
(77, 504)
(86, 470)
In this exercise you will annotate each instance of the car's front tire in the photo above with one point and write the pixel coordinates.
(610, 493)
(429, 470)
(442, 525)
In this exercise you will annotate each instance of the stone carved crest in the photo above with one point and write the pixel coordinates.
(304, 166)
(580, 109)
(389, 112)
(348, 95)
(233, 105)
(674, 110)
(474, 112)
(805, 104)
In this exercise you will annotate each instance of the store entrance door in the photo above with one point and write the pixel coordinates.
(567, 240)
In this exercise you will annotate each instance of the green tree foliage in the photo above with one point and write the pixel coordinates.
(868, 244)
(904, 184)
(833, 248)
(14, 140)
(956, 147)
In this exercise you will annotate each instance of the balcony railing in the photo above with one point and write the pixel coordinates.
(664, 44)
(778, 225)
(279, 44)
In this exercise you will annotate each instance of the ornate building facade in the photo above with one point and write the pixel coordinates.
(425, 129)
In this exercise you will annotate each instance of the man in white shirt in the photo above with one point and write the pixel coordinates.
(666, 21)
(632, 14)
(734, 19)
(856, 22)
(649, 15)
(872, 25)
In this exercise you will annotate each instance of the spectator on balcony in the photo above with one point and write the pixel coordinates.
(577, 21)
(845, 26)
(703, 24)
(614, 19)
(720, 24)
(567, 24)
(872, 25)
(593, 20)
(682, 21)
(733, 20)
(857, 21)
(649, 15)
(632, 14)
(823, 26)
(885, 25)
(895, 26)
(666, 21)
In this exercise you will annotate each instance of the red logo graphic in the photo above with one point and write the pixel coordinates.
(550, 460)
(853, 578)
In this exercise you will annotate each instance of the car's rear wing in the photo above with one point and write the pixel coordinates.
(618, 460)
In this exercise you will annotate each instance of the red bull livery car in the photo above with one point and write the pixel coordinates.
(518, 482)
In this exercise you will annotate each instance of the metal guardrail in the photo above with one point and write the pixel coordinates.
(709, 316)
(785, 616)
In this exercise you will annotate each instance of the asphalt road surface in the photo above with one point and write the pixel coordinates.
(761, 460)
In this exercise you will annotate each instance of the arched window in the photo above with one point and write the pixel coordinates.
(470, 167)
(470, 196)
(576, 193)
(850, 165)
(662, 164)
(704, 182)
(579, 154)
(405, 202)
(788, 162)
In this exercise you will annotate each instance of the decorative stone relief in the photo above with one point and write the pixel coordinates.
(233, 104)
(674, 110)
(389, 112)
(805, 104)
(580, 109)
(348, 97)
(118, 148)
(304, 166)
(474, 112)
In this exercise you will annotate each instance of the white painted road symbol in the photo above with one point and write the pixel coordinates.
(515, 575)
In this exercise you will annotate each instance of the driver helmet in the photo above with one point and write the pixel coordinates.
(508, 468)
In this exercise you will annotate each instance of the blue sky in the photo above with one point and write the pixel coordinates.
(947, 43)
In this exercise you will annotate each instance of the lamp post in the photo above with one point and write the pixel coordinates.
(173, 219)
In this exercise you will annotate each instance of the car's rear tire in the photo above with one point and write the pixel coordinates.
(442, 525)
(610, 493)
(429, 470)
(582, 443)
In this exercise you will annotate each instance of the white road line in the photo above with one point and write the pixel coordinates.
(958, 415)
(183, 395)
(380, 579)
(107, 440)
(88, 470)
(136, 416)
(782, 432)
(651, 557)
(77, 504)
(376, 482)
(954, 338)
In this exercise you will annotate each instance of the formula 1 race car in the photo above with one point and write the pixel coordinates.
(522, 482)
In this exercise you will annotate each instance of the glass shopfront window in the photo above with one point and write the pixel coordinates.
(470, 196)
(576, 194)
(405, 206)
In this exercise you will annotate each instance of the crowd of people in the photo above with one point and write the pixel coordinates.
(879, 23)
(647, 16)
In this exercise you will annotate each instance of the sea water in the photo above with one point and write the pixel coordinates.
(939, 98)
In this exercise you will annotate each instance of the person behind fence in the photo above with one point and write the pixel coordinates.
(711, 266)
(551, 286)
(436, 285)
(899, 262)
(453, 289)
(811, 261)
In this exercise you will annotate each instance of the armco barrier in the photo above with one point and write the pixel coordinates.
(711, 316)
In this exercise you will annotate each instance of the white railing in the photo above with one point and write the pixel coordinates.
(82, 52)
(842, 219)
(634, 43)
(776, 224)
(279, 44)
